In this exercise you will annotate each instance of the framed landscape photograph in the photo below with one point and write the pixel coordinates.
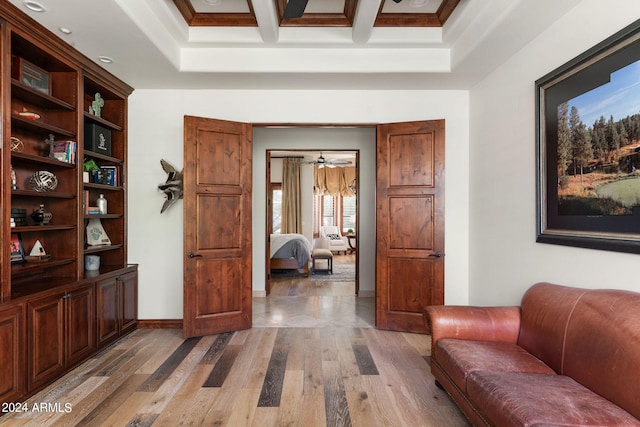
(588, 148)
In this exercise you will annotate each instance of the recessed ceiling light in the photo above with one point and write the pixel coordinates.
(105, 59)
(417, 3)
(213, 2)
(65, 30)
(34, 6)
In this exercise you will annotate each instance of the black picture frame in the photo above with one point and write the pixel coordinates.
(598, 212)
(16, 249)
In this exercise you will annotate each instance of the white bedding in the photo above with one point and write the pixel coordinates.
(279, 240)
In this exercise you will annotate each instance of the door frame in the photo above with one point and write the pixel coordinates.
(269, 217)
(374, 126)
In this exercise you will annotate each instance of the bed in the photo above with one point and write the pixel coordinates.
(290, 252)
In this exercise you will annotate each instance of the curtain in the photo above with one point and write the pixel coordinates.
(291, 197)
(333, 181)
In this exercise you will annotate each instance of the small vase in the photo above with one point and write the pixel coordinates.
(41, 217)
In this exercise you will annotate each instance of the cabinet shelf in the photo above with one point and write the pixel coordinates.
(103, 216)
(103, 122)
(99, 156)
(43, 194)
(103, 186)
(36, 125)
(105, 248)
(39, 228)
(22, 91)
(30, 267)
(39, 160)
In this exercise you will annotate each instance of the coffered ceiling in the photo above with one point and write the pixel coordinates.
(319, 13)
(333, 45)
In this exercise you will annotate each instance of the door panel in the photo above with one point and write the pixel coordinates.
(410, 223)
(80, 324)
(217, 226)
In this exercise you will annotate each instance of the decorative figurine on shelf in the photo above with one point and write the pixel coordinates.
(172, 188)
(16, 144)
(96, 235)
(14, 180)
(51, 141)
(38, 254)
(28, 114)
(43, 181)
(97, 105)
(41, 217)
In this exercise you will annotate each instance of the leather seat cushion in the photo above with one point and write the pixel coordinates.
(459, 358)
(526, 399)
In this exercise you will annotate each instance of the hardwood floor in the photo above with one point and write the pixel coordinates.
(329, 374)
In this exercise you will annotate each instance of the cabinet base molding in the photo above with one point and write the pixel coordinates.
(160, 324)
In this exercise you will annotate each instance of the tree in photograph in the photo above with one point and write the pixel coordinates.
(564, 139)
(624, 135)
(583, 151)
(574, 128)
(613, 140)
(599, 141)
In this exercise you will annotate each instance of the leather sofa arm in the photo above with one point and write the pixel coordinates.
(473, 323)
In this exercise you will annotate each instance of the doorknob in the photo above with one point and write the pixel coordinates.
(436, 254)
(192, 255)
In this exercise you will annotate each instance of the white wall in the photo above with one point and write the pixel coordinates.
(505, 259)
(156, 131)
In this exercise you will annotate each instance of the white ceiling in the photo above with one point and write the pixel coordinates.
(153, 47)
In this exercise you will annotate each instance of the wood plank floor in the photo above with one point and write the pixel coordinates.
(322, 374)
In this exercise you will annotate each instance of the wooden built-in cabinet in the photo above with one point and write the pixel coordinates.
(61, 332)
(117, 305)
(53, 313)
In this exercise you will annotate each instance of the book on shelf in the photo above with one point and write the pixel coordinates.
(65, 151)
(107, 175)
(86, 207)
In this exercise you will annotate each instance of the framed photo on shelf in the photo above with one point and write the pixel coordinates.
(588, 148)
(17, 250)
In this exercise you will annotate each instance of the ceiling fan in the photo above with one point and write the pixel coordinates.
(294, 9)
(321, 162)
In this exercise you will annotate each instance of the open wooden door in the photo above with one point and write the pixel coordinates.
(217, 226)
(410, 223)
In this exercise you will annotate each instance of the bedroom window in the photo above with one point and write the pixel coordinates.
(328, 210)
(334, 210)
(348, 213)
(276, 207)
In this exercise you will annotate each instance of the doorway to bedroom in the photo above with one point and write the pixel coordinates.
(312, 208)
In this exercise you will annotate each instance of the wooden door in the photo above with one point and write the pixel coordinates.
(217, 226)
(410, 223)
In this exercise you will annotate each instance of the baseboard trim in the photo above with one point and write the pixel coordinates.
(259, 294)
(366, 294)
(160, 324)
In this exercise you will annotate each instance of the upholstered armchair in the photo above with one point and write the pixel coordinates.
(332, 239)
